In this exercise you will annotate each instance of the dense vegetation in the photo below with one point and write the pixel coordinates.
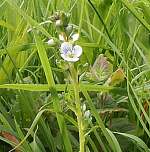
(74, 75)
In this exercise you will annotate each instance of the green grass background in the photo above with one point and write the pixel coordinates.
(34, 97)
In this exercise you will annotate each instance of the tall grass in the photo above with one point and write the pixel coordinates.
(48, 104)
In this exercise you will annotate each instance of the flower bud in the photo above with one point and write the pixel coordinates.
(75, 37)
(84, 107)
(50, 42)
(58, 23)
(69, 29)
(87, 114)
(61, 19)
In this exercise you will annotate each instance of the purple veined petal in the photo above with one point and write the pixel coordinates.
(66, 47)
(67, 58)
(77, 50)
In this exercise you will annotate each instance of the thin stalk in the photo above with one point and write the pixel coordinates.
(74, 76)
(81, 16)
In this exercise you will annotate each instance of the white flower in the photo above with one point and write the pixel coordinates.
(84, 107)
(69, 52)
(50, 42)
(75, 37)
(87, 114)
(61, 37)
(58, 22)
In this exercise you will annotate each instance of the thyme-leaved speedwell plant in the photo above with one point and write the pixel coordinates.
(69, 50)
(70, 53)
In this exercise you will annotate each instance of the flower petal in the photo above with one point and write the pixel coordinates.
(50, 42)
(66, 47)
(87, 114)
(67, 58)
(75, 37)
(77, 50)
(58, 22)
(61, 37)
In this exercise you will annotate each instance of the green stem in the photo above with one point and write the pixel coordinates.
(79, 115)
(79, 118)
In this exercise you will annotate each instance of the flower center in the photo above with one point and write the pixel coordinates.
(70, 55)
